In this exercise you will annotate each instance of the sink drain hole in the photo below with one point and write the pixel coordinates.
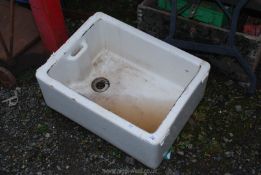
(100, 84)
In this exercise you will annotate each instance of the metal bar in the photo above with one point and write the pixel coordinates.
(233, 30)
(207, 48)
(247, 68)
(224, 9)
(2, 41)
(231, 42)
(11, 43)
(173, 17)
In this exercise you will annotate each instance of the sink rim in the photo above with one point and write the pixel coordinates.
(161, 133)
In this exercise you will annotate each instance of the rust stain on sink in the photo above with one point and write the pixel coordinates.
(136, 95)
(144, 113)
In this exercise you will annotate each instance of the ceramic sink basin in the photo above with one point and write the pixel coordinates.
(126, 86)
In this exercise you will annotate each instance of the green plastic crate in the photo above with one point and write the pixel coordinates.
(207, 12)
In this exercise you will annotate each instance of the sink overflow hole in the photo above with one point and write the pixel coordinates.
(100, 84)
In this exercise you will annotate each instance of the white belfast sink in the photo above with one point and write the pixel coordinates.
(129, 88)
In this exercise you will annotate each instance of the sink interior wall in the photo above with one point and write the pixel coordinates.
(145, 81)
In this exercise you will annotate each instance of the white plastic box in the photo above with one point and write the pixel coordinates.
(129, 88)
